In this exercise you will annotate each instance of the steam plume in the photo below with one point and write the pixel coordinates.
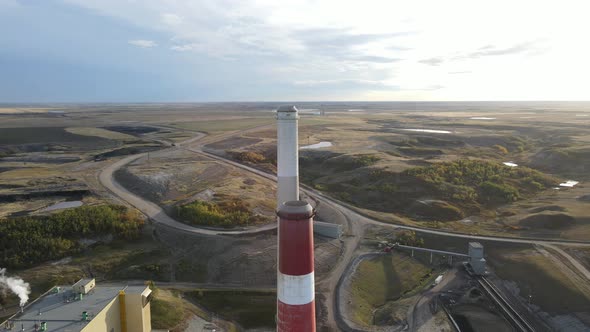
(16, 285)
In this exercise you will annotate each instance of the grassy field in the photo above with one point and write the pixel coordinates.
(248, 308)
(182, 177)
(25, 110)
(99, 132)
(216, 126)
(30, 172)
(533, 142)
(547, 285)
(168, 309)
(14, 136)
(382, 279)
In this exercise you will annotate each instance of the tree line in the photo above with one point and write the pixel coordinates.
(29, 240)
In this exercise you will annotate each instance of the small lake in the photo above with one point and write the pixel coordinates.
(434, 131)
(317, 146)
(63, 205)
(481, 118)
(569, 183)
(510, 164)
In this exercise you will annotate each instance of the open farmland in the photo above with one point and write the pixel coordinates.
(381, 162)
(431, 169)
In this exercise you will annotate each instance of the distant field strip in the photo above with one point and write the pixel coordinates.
(99, 132)
(10, 110)
(223, 125)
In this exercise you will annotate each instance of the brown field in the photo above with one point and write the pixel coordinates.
(53, 153)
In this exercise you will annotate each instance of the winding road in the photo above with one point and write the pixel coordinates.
(355, 220)
(155, 212)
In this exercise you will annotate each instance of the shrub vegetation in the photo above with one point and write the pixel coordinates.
(438, 192)
(227, 213)
(25, 241)
(482, 181)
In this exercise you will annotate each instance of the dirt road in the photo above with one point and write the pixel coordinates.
(581, 268)
(354, 220)
(152, 210)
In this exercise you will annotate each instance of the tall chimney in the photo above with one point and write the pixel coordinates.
(287, 155)
(295, 277)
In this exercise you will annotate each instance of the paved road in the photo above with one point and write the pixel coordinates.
(357, 217)
(157, 214)
(354, 219)
(152, 210)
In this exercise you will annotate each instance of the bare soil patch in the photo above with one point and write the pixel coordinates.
(233, 143)
(549, 221)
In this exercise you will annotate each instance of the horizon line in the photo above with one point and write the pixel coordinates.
(287, 101)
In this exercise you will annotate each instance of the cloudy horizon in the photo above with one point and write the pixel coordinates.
(230, 50)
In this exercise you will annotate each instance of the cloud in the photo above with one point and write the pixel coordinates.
(302, 41)
(345, 45)
(490, 50)
(346, 81)
(485, 51)
(143, 43)
(183, 47)
(171, 19)
(344, 38)
(434, 61)
(372, 58)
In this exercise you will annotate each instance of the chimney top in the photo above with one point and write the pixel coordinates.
(287, 108)
(295, 210)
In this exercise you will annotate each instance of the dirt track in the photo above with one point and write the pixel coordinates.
(354, 221)
(153, 211)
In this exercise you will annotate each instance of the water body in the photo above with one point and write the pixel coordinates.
(434, 131)
(510, 164)
(569, 183)
(63, 205)
(356, 110)
(317, 146)
(481, 118)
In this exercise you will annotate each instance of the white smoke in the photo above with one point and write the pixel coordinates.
(16, 285)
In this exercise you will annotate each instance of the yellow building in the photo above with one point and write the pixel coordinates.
(87, 307)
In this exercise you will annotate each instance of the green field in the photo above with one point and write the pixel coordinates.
(27, 241)
(445, 191)
(166, 312)
(383, 279)
(250, 309)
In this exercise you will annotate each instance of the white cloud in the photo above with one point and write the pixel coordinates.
(143, 43)
(312, 83)
(184, 47)
(171, 19)
(322, 42)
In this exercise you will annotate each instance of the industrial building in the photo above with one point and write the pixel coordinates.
(87, 307)
(476, 260)
(333, 231)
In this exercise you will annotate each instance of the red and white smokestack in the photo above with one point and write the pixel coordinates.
(287, 155)
(295, 278)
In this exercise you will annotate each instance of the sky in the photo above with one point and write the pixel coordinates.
(293, 50)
